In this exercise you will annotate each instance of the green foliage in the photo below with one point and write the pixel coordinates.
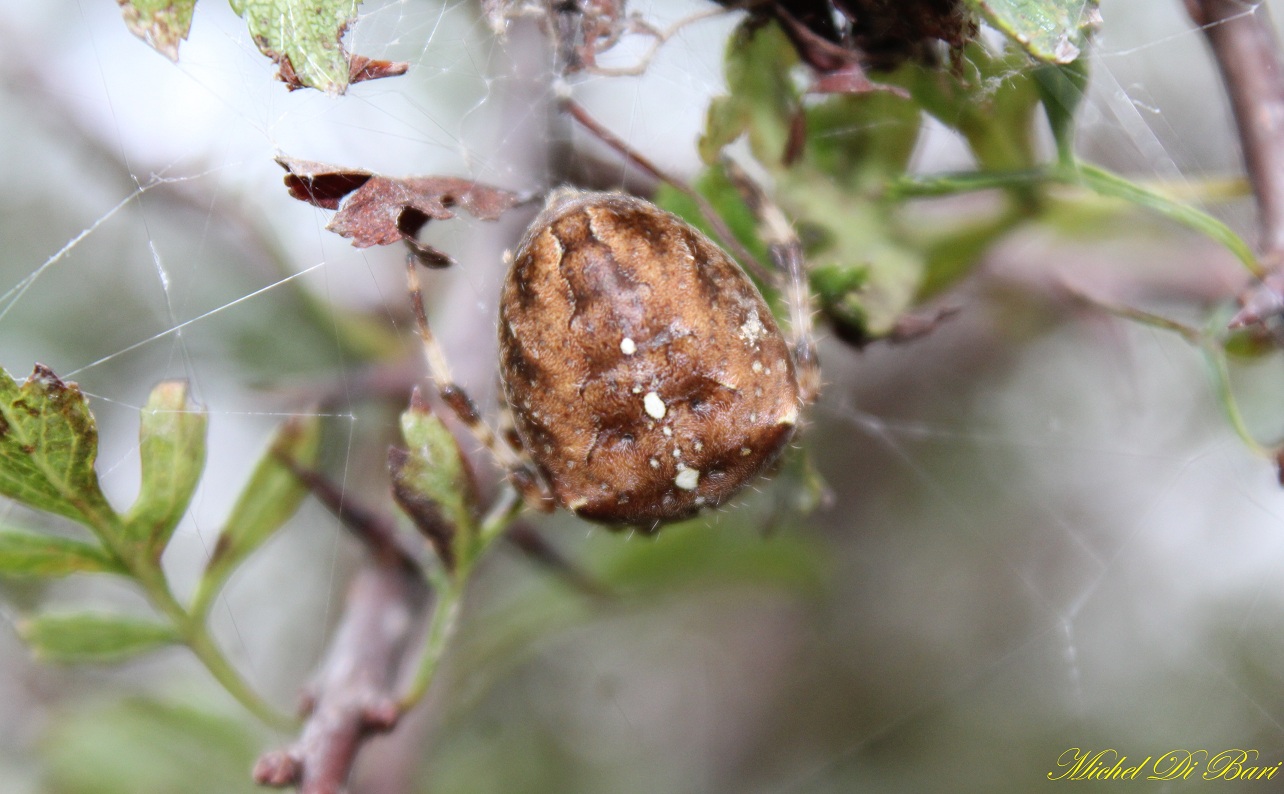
(761, 98)
(31, 554)
(839, 163)
(272, 494)
(304, 33)
(990, 99)
(304, 37)
(1054, 31)
(172, 448)
(94, 637)
(48, 444)
(863, 270)
(1061, 88)
(160, 23)
(1107, 184)
(432, 485)
(138, 746)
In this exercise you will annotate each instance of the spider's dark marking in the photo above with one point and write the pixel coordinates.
(646, 375)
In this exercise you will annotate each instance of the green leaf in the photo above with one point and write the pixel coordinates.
(160, 23)
(93, 637)
(761, 100)
(990, 100)
(172, 448)
(1061, 88)
(48, 443)
(304, 37)
(1053, 31)
(431, 483)
(858, 139)
(272, 494)
(33, 554)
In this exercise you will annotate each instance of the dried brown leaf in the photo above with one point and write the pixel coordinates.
(381, 210)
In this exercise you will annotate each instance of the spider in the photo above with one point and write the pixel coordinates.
(644, 373)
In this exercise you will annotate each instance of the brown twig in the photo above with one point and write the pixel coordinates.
(1248, 53)
(354, 696)
(373, 529)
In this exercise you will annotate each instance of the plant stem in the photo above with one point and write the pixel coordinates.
(441, 627)
(449, 589)
(502, 512)
(1216, 358)
(199, 640)
(191, 628)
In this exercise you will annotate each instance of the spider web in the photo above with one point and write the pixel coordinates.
(1045, 534)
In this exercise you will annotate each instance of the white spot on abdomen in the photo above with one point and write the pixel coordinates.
(654, 406)
(752, 329)
(687, 479)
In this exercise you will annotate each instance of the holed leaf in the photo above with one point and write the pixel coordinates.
(48, 444)
(271, 495)
(33, 554)
(305, 38)
(93, 636)
(160, 23)
(432, 484)
(172, 448)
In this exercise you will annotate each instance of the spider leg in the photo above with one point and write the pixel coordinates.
(791, 276)
(521, 471)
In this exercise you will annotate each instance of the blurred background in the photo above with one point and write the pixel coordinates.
(1043, 534)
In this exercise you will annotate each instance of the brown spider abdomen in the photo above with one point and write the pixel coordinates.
(646, 375)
